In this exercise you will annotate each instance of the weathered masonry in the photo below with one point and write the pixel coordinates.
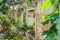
(30, 15)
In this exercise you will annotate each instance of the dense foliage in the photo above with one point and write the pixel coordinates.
(13, 28)
(3, 6)
(52, 33)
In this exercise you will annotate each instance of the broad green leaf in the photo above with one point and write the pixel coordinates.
(56, 12)
(1, 0)
(47, 4)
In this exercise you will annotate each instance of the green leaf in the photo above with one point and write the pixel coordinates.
(1, 0)
(13, 28)
(47, 4)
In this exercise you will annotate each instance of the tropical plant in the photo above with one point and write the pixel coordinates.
(52, 33)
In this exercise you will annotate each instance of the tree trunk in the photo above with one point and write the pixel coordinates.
(38, 21)
(39, 28)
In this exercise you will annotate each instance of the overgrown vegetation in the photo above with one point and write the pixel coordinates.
(52, 34)
(10, 24)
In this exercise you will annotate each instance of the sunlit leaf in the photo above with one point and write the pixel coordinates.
(43, 18)
(47, 4)
(1, 0)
